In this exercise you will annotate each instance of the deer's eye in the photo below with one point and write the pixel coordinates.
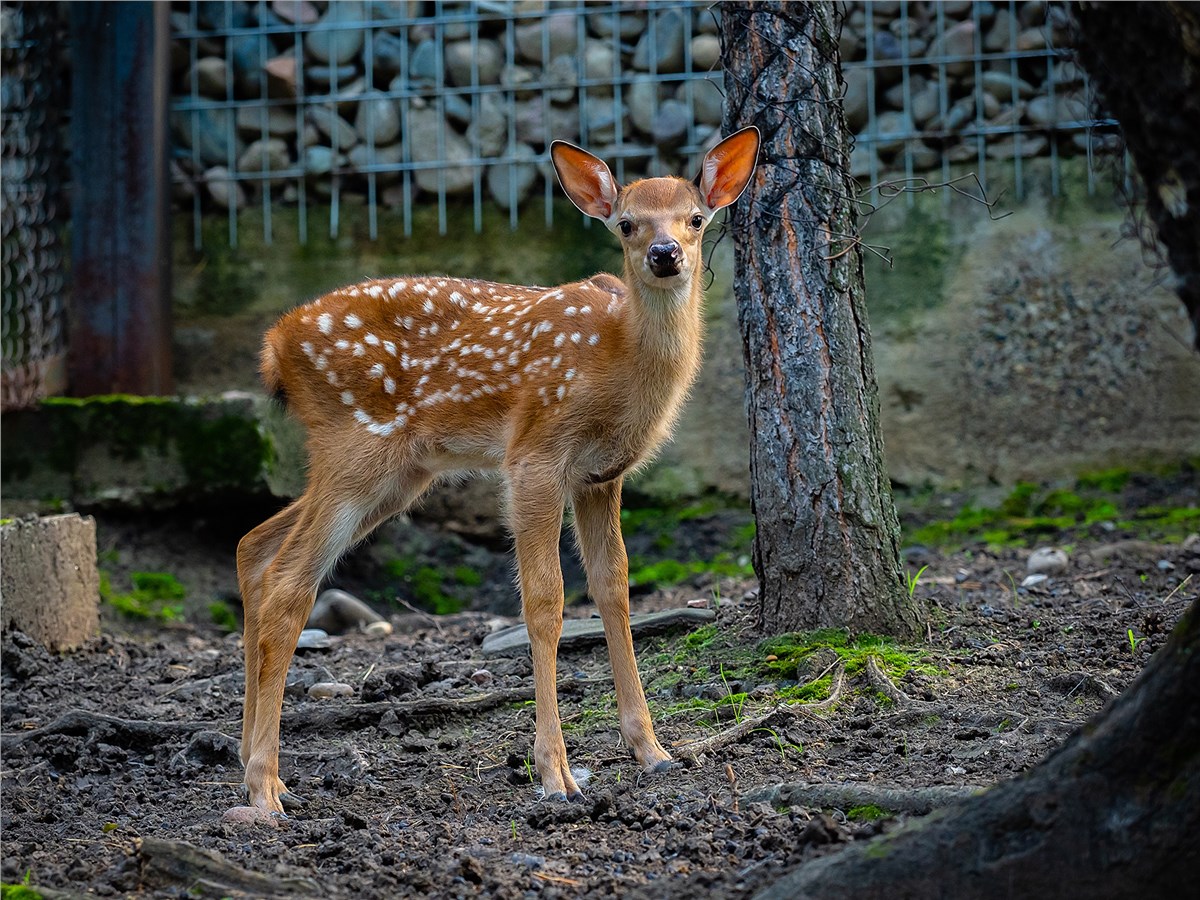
(697, 222)
(626, 227)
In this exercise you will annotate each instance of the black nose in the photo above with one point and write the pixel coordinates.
(663, 258)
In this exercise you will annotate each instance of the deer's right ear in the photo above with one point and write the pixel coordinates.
(586, 180)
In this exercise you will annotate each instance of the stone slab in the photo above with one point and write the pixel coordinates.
(580, 633)
(49, 585)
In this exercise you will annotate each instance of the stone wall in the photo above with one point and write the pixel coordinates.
(318, 101)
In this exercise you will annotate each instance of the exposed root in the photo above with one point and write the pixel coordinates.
(314, 716)
(880, 681)
(695, 750)
(917, 801)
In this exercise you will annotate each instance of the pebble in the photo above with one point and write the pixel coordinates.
(481, 677)
(1034, 580)
(1046, 561)
(337, 45)
(313, 639)
(327, 690)
(378, 629)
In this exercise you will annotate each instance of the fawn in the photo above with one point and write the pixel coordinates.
(564, 389)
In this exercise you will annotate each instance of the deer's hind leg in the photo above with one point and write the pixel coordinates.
(331, 516)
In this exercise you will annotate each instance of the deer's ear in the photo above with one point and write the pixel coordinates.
(586, 180)
(727, 168)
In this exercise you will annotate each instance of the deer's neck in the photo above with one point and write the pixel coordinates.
(665, 327)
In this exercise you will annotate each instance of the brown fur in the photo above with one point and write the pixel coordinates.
(563, 389)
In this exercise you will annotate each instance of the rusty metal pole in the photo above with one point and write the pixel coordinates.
(120, 333)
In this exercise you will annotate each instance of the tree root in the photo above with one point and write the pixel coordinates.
(693, 751)
(917, 801)
(312, 716)
(880, 681)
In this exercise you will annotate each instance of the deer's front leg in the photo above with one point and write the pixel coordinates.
(598, 527)
(536, 513)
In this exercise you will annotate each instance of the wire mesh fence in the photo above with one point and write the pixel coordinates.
(365, 109)
(34, 285)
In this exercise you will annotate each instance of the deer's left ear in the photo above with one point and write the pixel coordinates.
(727, 168)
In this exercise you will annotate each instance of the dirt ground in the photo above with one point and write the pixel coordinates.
(120, 759)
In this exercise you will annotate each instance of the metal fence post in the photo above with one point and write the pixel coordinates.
(120, 335)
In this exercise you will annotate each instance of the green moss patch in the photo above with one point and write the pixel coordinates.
(156, 596)
(1033, 513)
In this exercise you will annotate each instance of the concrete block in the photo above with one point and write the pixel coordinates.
(49, 586)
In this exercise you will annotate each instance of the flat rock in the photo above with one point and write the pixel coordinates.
(578, 633)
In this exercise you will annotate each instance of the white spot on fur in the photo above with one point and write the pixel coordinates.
(325, 323)
(352, 321)
(347, 398)
(389, 385)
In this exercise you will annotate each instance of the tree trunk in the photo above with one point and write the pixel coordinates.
(1113, 814)
(827, 551)
(1145, 58)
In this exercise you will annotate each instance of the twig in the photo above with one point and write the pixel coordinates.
(694, 750)
(1178, 588)
(732, 778)
(421, 613)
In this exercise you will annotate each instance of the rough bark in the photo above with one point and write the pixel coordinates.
(827, 551)
(1145, 59)
(1113, 814)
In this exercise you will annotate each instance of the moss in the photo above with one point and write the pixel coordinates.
(194, 446)
(155, 596)
(1031, 512)
(441, 591)
(791, 651)
(223, 616)
(868, 813)
(701, 637)
(19, 892)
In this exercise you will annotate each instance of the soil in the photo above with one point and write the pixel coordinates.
(120, 759)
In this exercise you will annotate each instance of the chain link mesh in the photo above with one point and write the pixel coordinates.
(34, 283)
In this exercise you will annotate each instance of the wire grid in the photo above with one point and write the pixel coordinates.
(34, 308)
(1036, 52)
(420, 171)
(412, 38)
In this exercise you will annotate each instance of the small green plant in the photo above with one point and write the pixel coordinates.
(152, 598)
(513, 823)
(529, 769)
(780, 745)
(22, 891)
(736, 701)
(912, 580)
(1012, 584)
(1133, 641)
